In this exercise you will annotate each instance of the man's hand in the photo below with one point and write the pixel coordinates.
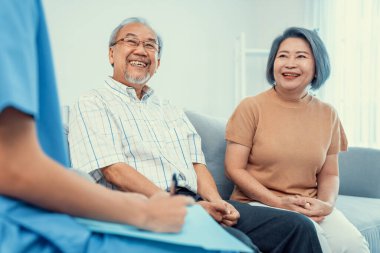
(232, 216)
(221, 211)
(216, 210)
(165, 213)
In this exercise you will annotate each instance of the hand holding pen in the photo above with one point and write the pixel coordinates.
(174, 184)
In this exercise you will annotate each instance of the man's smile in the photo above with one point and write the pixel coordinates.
(138, 64)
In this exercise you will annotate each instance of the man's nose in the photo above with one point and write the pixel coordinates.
(140, 49)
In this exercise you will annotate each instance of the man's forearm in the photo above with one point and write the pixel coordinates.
(206, 185)
(128, 179)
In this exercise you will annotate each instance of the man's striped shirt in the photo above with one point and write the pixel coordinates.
(111, 125)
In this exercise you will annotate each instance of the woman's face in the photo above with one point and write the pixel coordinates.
(294, 65)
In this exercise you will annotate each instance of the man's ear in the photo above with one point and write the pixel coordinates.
(110, 56)
(158, 63)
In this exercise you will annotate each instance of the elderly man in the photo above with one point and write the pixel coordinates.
(38, 196)
(128, 139)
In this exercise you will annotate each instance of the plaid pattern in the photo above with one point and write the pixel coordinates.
(111, 125)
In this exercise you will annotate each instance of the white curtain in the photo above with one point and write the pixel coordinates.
(351, 31)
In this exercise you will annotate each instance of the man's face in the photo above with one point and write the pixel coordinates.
(134, 65)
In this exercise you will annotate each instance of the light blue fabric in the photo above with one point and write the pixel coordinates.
(27, 80)
(24, 229)
(27, 83)
(192, 234)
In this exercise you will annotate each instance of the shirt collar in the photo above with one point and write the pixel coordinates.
(120, 88)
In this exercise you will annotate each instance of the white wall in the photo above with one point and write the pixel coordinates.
(197, 67)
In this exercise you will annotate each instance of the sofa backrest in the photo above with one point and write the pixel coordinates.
(360, 172)
(212, 131)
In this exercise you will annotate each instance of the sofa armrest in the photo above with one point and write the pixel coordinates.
(360, 172)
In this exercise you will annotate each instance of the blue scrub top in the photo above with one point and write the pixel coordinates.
(27, 80)
(27, 83)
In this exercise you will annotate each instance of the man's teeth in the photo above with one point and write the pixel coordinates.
(137, 63)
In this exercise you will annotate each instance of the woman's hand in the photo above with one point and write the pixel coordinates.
(293, 203)
(314, 208)
(317, 209)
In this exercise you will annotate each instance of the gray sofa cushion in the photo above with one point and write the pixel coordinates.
(364, 213)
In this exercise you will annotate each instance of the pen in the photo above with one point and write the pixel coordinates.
(174, 185)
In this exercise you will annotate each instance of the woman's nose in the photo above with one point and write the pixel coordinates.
(290, 63)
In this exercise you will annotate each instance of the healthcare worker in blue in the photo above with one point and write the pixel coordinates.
(38, 196)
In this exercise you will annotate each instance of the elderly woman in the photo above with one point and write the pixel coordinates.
(283, 144)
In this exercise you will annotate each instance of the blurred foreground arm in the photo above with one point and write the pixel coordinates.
(26, 173)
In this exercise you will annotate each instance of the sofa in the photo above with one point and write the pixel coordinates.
(359, 194)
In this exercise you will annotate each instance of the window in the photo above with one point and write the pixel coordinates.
(350, 30)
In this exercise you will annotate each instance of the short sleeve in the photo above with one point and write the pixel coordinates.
(18, 55)
(27, 79)
(338, 140)
(241, 126)
(94, 135)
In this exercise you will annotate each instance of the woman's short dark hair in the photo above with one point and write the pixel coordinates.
(321, 57)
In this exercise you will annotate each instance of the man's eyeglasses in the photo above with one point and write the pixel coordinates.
(134, 43)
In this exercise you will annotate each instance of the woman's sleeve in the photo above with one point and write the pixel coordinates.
(338, 138)
(241, 126)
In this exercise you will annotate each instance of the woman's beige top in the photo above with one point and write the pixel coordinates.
(289, 141)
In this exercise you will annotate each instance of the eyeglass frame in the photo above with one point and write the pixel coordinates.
(139, 42)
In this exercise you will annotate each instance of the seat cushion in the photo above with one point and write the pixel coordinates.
(364, 213)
